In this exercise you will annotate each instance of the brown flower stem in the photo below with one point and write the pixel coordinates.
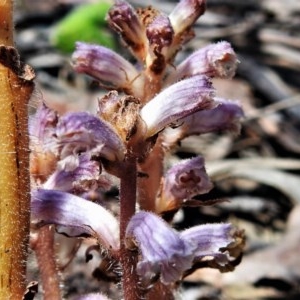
(16, 87)
(148, 185)
(45, 253)
(128, 258)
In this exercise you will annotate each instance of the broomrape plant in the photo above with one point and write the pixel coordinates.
(151, 105)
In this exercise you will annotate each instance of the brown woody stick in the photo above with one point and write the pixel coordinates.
(16, 86)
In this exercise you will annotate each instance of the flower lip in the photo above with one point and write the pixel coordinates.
(103, 64)
(163, 251)
(176, 102)
(81, 131)
(75, 213)
(183, 181)
(214, 60)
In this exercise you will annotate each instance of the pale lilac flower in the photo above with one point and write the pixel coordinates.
(83, 217)
(81, 132)
(169, 254)
(185, 14)
(210, 238)
(214, 60)
(73, 171)
(183, 181)
(42, 126)
(106, 66)
(123, 18)
(176, 102)
(163, 252)
(225, 116)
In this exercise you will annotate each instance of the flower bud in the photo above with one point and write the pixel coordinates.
(123, 18)
(185, 14)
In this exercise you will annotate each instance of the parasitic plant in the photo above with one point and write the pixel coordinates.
(150, 106)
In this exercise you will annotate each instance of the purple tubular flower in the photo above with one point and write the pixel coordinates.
(185, 14)
(42, 127)
(176, 102)
(83, 217)
(123, 19)
(215, 60)
(225, 116)
(209, 238)
(183, 181)
(104, 65)
(81, 131)
(163, 252)
(71, 170)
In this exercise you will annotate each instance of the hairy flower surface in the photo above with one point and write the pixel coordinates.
(176, 102)
(163, 251)
(106, 66)
(215, 60)
(83, 217)
(79, 132)
(123, 18)
(185, 13)
(169, 253)
(183, 181)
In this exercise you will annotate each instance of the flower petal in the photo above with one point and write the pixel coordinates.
(209, 238)
(81, 131)
(185, 14)
(215, 60)
(123, 18)
(183, 181)
(104, 65)
(176, 102)
(225, 116)
(42, 125)
(80, 215)
(163, 251)
(221, 245)
(75, 170)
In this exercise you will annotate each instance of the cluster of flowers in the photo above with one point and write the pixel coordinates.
(152, 105)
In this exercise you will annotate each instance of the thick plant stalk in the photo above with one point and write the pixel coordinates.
(45, 252)
(16, 86)
(128, 201)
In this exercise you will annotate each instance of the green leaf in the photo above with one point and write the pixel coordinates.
(85, 23)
